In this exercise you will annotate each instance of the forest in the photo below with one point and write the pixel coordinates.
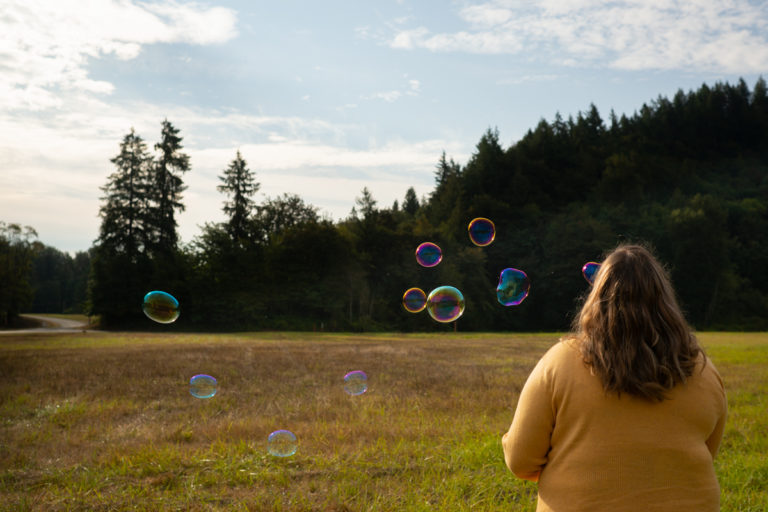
(686, 175)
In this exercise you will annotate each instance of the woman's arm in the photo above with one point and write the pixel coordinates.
(527, 442)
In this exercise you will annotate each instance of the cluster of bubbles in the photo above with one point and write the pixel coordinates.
(446, 303)
(163, 308)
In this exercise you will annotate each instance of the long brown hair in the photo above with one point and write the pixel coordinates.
(632, 332)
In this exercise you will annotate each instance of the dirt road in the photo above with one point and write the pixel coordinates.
(50, 324)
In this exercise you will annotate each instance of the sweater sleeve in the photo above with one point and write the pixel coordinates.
(713, 442)
(527, 442)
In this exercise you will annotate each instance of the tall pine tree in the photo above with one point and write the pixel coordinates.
(165, 193)
(123, 213)
(239, 184)
(120, 261)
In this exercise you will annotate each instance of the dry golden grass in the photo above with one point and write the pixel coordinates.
(105, 421)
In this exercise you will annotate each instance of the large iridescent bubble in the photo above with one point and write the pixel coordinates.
(513, 287)
(589, 271)
(202, 386)
(414, 300)
(161, 307)
(428, 254)
(356, 382)
(481, 231)
(282, 443)
(445, 304)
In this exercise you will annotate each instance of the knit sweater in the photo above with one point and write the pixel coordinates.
(592, 451)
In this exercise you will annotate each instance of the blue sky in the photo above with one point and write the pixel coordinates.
(325, 98)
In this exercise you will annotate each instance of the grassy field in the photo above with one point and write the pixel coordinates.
(105, 421)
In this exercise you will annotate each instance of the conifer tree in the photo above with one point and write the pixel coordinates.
(120, 259)
(411, 202)
(239, 183)
(166, 189)
(123, 212)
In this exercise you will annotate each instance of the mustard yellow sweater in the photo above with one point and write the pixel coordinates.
(592, 451)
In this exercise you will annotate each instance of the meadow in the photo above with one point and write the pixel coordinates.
(105, 421)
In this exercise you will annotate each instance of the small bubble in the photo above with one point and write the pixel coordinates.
(282, 443)
(414, 300)
(445, 304)
(161, 307)
(428, 254)
(589, 271)
(513, 287)
(481, 231)
(356, 382)
(202, 386)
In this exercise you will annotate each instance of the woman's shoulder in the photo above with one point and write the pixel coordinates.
(706, 368)
(566, 352)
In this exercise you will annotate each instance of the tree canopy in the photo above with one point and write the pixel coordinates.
(687, 175)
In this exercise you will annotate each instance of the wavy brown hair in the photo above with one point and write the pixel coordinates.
(631, 330)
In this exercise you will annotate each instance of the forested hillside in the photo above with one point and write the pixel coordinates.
(688, 175)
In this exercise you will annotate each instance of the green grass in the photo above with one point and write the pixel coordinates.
(104, 421)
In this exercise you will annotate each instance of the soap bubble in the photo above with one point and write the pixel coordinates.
(589, 270)
(481, 231)
(513, 287)
(414, 300)
(282, 443)
(161, 307)
(356, 382)
(445, 304)
(202, 386)
(428, 254)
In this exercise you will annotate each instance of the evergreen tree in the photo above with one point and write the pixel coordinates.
(365, 204)
(123, 213)
(239, 184)
(411, 202)
(165, 192)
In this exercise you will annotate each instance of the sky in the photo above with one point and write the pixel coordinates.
(325, 98)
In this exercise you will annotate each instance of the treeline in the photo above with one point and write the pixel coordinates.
(688, 175)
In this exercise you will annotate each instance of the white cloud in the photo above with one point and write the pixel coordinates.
(411, 88)
(46, 45)
(701, 35)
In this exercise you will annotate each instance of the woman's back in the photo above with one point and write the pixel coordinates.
(603, 451)
(628, 413)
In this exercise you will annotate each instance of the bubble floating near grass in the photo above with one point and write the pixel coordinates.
(161, 307)
(356, 383)
(203, 386)
(589, 271)
(414, 300)
(513, 287)
(282, 443)
(445, 304)
(428, 254)
(482, 231)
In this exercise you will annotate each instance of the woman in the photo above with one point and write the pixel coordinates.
(627, 413)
